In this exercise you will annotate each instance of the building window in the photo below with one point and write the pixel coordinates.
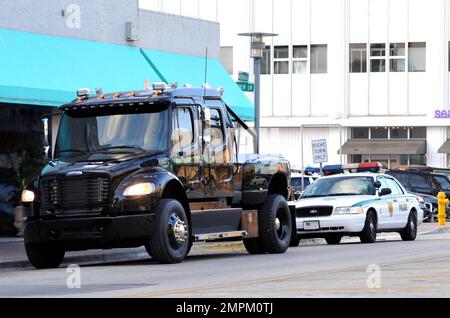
(418, 160)
(226, 57)
(397, 57)
(300, 59)
(417, 53)
(378, 58)
(418, 133)
(319, 57)
(358, 58)
(399, 133)
(360, 133)
(281, 60)
(266, 61)
(379, 133)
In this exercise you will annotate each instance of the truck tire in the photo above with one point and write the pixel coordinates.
(333, 239)
(410, 231)
(275, 224)
(170, 242)
(295, 240)
(43, 256)
(369, 233)
(254, 246)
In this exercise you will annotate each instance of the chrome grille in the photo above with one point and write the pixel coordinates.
(86, 193)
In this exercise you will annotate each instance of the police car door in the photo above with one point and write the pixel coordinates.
(387, 207)
(401, 204)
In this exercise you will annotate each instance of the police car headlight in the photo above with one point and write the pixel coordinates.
(139, 189)
(348, 210)
(27, 196)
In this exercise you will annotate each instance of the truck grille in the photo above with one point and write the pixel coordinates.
(314, 211)
(80, 194)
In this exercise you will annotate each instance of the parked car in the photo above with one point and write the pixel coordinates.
(425, 183)
(361, 203)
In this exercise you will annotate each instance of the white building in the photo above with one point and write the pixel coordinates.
(370, 76)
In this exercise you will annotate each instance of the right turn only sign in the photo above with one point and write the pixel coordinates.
(320, 152)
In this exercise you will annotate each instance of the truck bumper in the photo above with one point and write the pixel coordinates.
(91, 233)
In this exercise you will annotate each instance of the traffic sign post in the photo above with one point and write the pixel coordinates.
(320, 152)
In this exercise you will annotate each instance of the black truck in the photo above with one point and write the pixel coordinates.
(157, 168)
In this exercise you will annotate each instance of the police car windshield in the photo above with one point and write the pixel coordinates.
(340, 186)
(112, 133)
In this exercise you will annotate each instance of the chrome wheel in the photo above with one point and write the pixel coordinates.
(177, 231)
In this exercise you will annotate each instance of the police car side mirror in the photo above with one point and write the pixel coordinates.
(385, 191)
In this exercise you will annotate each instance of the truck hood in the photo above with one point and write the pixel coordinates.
(113, 164)
(340, 201)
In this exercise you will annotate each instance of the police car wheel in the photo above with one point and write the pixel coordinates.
(410, 231)
(369, 233)
(275, 224)
(170, 242)
(333, 239)
(43, 256)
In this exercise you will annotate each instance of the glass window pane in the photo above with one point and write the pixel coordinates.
(397, 49)
(378, 133)
(356, 158)
(360, 133)
(300, 67)
(397, 65)
(358, 58)
(399, 133)
(300, 51)
(266, 61)
(418, 160)
(281, 52)
(281, 67)
(319, 56)
(378, 49)
(417, 57)
(378, 65)
(418, 132)
(383, 159)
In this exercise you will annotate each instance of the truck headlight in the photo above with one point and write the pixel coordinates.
(27, 196)
(139, 189)
(348, 210)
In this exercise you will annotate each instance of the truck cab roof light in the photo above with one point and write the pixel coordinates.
(160, 86)
(84, 92)
(221, 90)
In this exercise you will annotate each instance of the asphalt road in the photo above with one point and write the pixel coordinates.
(406, 269)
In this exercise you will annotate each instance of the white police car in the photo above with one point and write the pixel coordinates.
(356, 200)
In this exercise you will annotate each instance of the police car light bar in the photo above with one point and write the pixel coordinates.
(352, 168)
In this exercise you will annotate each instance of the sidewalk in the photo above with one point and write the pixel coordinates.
(12, 251)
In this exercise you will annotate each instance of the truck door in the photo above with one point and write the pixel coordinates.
(219, 153)
(185, 150)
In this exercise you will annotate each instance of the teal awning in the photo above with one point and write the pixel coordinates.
(190, 69)
(47, 70)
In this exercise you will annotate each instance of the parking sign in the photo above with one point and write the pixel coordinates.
(320, 152)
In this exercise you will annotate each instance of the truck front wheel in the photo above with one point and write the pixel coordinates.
(275, 224)
(170, 241)
(43, 256)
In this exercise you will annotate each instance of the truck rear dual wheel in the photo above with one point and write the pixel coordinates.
(274, 220)
(171, 241)
(43, 256)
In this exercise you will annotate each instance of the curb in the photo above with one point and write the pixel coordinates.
(440, 230)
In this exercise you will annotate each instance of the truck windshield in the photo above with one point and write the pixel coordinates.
(135, 132)
(443, 182)
(340, 186)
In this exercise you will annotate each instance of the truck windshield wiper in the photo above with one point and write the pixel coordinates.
(123, 147)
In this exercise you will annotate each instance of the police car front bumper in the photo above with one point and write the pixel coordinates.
(346, 224)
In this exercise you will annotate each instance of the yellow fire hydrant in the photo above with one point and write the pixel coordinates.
(442, 204)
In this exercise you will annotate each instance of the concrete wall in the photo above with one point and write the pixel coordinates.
(105, 21)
